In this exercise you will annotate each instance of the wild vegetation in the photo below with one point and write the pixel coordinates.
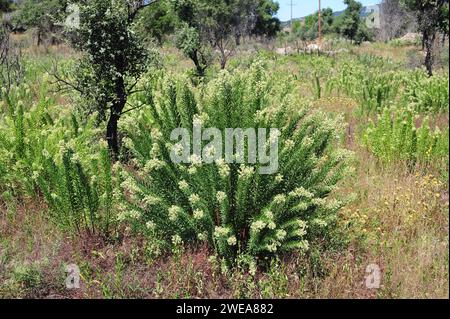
(87, 178)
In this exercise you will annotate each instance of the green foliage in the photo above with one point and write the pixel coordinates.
(113, 53)
(350, 25)
(188, 41)
(157, 21)
(220, 25)
(432, 18)
(41, 154)
(113, 61)
(427, 94)
(372, 89)
(231, 206)
(79, 195)
(396, 137)
(44, 15)
(384, 85)
(266, 24)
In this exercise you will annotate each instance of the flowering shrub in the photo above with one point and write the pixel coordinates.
(377, 88)
(47, 155)
(231, 206)
(427, 94)
(395, 137)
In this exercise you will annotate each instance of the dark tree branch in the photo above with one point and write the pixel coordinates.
(63, 85)
(132, 108)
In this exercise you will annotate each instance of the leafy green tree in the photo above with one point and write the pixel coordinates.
(350, 24)
(191, 38)
(189, 42)
(157, 21)
(266, 23)
(43, 15)
(114, 60)
(219, 25)
(432, 18)
(308, 30)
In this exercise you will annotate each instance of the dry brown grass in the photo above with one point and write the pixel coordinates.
(395, 53)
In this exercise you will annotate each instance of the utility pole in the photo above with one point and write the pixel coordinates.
(292, 12)
(320, 24)
(292, 4)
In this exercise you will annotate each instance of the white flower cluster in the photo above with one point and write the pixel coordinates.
(198, 214)
(195, 160)
(224, 169)
(269, 214)
(192, 170)
(301, 192)
(173, 212)
(281, 234)
(279, 178)
(333, 204)
(130, 185)
(156, 134)
(221, 196)
(307, 142)
(272, 247)
(221, 231)
(246, 172)
(279, 199)
(183, 185)
(176, 240)
(301, 230)
(150, 225)
(202, 236)
(301, 206)
(45, 153)
(319, 222)
(125, 215)
(128, 143)
(257, 226)
(194, 199)
(232, 241)
(155, 151)
(153, 165)
(319, 202)
(289, 145)
(150, 200)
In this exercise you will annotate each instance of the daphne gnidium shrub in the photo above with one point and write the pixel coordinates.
(397, 136)
(231, 206)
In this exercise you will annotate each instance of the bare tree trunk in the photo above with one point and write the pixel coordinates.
(428, 41)
(112, 134)
(39, 37)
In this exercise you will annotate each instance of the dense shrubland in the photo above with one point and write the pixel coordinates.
(307, 231)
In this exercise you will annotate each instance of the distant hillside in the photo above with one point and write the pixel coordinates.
(371, 13)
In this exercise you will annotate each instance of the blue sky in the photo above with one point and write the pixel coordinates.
(305, 7)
